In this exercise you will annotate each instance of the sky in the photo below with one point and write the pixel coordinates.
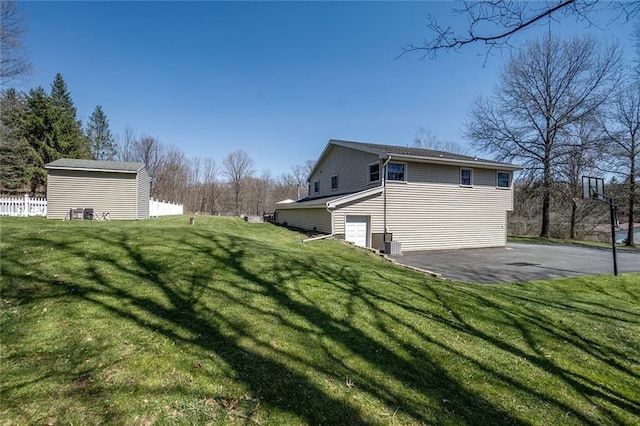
(275, 79)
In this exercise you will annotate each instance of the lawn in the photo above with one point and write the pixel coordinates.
(226, 322)
(542, 240)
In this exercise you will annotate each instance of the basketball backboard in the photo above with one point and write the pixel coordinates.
(592, 187)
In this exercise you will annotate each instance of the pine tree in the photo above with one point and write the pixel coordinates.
(68, 138)
(14, 149)
(38, 130)
(101, 141)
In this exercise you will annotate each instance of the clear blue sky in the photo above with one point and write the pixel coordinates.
(275, 79)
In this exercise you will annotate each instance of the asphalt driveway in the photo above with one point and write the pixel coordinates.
(520, 262)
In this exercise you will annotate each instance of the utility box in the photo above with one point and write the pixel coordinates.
(393, 247)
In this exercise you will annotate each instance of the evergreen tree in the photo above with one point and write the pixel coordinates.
(103, 147)
(38, 130)
(68, 138)
(14, 149)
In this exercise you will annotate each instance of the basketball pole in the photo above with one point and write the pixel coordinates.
(593, 188)
(612, 209)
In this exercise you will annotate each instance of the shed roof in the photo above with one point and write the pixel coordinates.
(95, 165)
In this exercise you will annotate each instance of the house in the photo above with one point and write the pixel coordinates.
(118, 188)
(411, 198)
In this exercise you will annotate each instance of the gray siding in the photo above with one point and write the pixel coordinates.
(144, 193)
(115, 193)
(432, 211)
(352, 168)
(309, 219)
(372, 206)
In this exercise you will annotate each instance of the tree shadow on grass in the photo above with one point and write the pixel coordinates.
(205, 290)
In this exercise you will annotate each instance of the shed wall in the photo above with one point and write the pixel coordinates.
(115, 193)
(144, 194)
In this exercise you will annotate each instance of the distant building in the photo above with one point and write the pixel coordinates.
(118, 188)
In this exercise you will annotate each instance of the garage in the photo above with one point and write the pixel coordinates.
(357, 230)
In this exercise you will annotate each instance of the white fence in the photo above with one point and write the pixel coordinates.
(27, 206)
(23, 206)
(162, 208)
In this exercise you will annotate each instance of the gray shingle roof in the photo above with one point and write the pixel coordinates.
(414, 152)
(113, 166)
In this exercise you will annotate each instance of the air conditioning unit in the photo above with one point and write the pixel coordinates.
(393, 247)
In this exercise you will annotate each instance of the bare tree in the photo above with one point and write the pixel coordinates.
(546, 87)
(584, 140)
(308, 167)
(237, 166)
(261, 189)
(493, 23)
(126, 144)
(13, 60)
(622, 126)
(426, 139)
(171, 175)
(210, 177)
(299, 175)
(149, 151)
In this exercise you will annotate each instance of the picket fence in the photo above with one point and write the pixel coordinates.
(23, 206)
(163, 208)
(27, 206)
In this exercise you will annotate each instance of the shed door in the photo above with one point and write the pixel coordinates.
(357, 230)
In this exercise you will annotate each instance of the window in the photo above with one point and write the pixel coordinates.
(503, 180)
(466, 177)
(316, 186)
(374, 172)
(334, 182)
(395, 171)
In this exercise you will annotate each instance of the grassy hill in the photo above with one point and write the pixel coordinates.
(225, 322)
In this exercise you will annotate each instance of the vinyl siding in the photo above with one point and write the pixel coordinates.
(102, 191)
(352, 168)
(372, 206)
(144, 191)
(431, 211)
(308, 219)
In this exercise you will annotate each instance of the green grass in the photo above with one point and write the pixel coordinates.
(541, 240)
(225, 322)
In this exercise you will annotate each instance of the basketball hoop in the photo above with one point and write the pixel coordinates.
(593, 188)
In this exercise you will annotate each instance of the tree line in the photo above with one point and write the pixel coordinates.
(41, 126)
(566, 108)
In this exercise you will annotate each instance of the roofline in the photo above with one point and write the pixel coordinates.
(92, 169)
(295, 205)
(382, 154)
(332, 204)
(454, 162)
(354, 197)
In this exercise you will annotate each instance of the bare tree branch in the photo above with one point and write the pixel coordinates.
(493, 23)
(14, 63)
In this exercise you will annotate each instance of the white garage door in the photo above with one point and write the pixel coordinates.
(356, 230)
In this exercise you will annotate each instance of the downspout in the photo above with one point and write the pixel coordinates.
(384, 194)
(330, 210)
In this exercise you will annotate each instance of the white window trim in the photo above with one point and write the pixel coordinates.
(406, 172)
(337, 182)
(510, 179)
(316, 191)
(369, 171)
(460, 177)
